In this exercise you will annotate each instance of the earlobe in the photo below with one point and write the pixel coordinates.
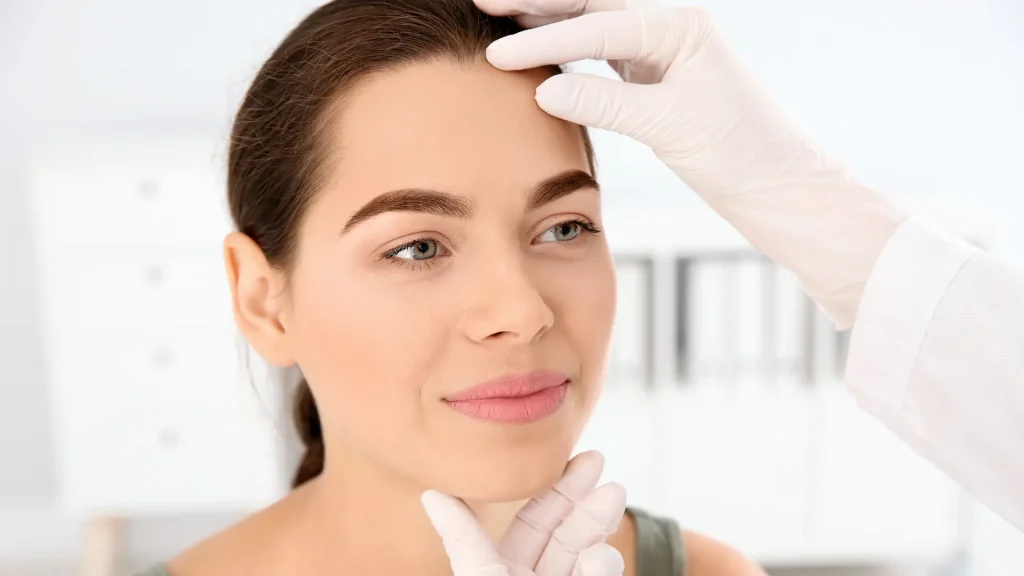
(258, 297)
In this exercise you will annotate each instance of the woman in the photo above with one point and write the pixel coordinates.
(425, 244)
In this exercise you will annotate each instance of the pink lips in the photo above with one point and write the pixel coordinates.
(513, 398)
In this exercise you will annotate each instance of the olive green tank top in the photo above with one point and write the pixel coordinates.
(659, 547)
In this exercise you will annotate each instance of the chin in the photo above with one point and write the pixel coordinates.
(507, 474)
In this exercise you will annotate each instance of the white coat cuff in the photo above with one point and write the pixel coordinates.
(902, 294)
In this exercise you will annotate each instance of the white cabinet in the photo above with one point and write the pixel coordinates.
(152, 397)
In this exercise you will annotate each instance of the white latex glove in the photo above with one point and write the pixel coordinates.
(688, 97)
(561, 533)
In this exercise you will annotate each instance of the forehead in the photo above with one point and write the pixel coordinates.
(467, 128)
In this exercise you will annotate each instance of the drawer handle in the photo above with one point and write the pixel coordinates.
(162, 358)
(148, 190)
(155, 274)
(167, 438)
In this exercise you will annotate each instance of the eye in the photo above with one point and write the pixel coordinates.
(422, 249)
(566, 231)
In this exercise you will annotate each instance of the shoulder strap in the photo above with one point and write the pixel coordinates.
(659, 545)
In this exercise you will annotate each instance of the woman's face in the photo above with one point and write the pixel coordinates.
(455, 240)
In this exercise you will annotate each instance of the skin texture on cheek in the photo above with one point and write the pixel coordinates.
(381, 342)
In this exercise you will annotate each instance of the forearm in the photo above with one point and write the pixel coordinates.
(824, 226)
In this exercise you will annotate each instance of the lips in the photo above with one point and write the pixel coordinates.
(513, 398)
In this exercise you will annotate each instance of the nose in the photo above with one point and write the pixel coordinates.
(505, 305)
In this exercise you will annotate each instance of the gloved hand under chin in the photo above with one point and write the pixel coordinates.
(561, 533)
(689, 98)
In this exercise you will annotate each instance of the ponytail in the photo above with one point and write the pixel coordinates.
(307, 422)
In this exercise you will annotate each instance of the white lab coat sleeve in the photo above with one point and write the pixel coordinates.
(937, 354)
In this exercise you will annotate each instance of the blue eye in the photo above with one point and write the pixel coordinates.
(563, 232)
(566, 231)
(423, 249)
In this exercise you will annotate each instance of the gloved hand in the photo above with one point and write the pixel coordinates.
(561, 533)
(688, 97)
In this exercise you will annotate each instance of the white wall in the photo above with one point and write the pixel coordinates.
(920, 97)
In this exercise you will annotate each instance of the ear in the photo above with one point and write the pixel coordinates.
(258, 294)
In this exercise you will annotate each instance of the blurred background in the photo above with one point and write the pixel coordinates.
(113, 310)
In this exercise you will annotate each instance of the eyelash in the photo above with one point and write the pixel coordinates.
(391, 256)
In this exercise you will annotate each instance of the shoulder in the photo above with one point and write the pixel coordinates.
(254, 546)
(656, 545)
(217, 554)
(706, 556)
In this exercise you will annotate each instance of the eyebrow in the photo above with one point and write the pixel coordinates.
(439, 203)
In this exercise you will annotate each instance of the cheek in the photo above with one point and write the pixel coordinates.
(584, 295)
(364, 346)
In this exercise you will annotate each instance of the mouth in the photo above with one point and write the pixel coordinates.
(513, 398)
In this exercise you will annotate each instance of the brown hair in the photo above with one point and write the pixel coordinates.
(278, 138)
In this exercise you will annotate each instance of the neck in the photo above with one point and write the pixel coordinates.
(369, 520)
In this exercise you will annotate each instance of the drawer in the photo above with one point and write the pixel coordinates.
(145, 460)
(102, 293)
(114, 206)
(204, 365)
(155, 423)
